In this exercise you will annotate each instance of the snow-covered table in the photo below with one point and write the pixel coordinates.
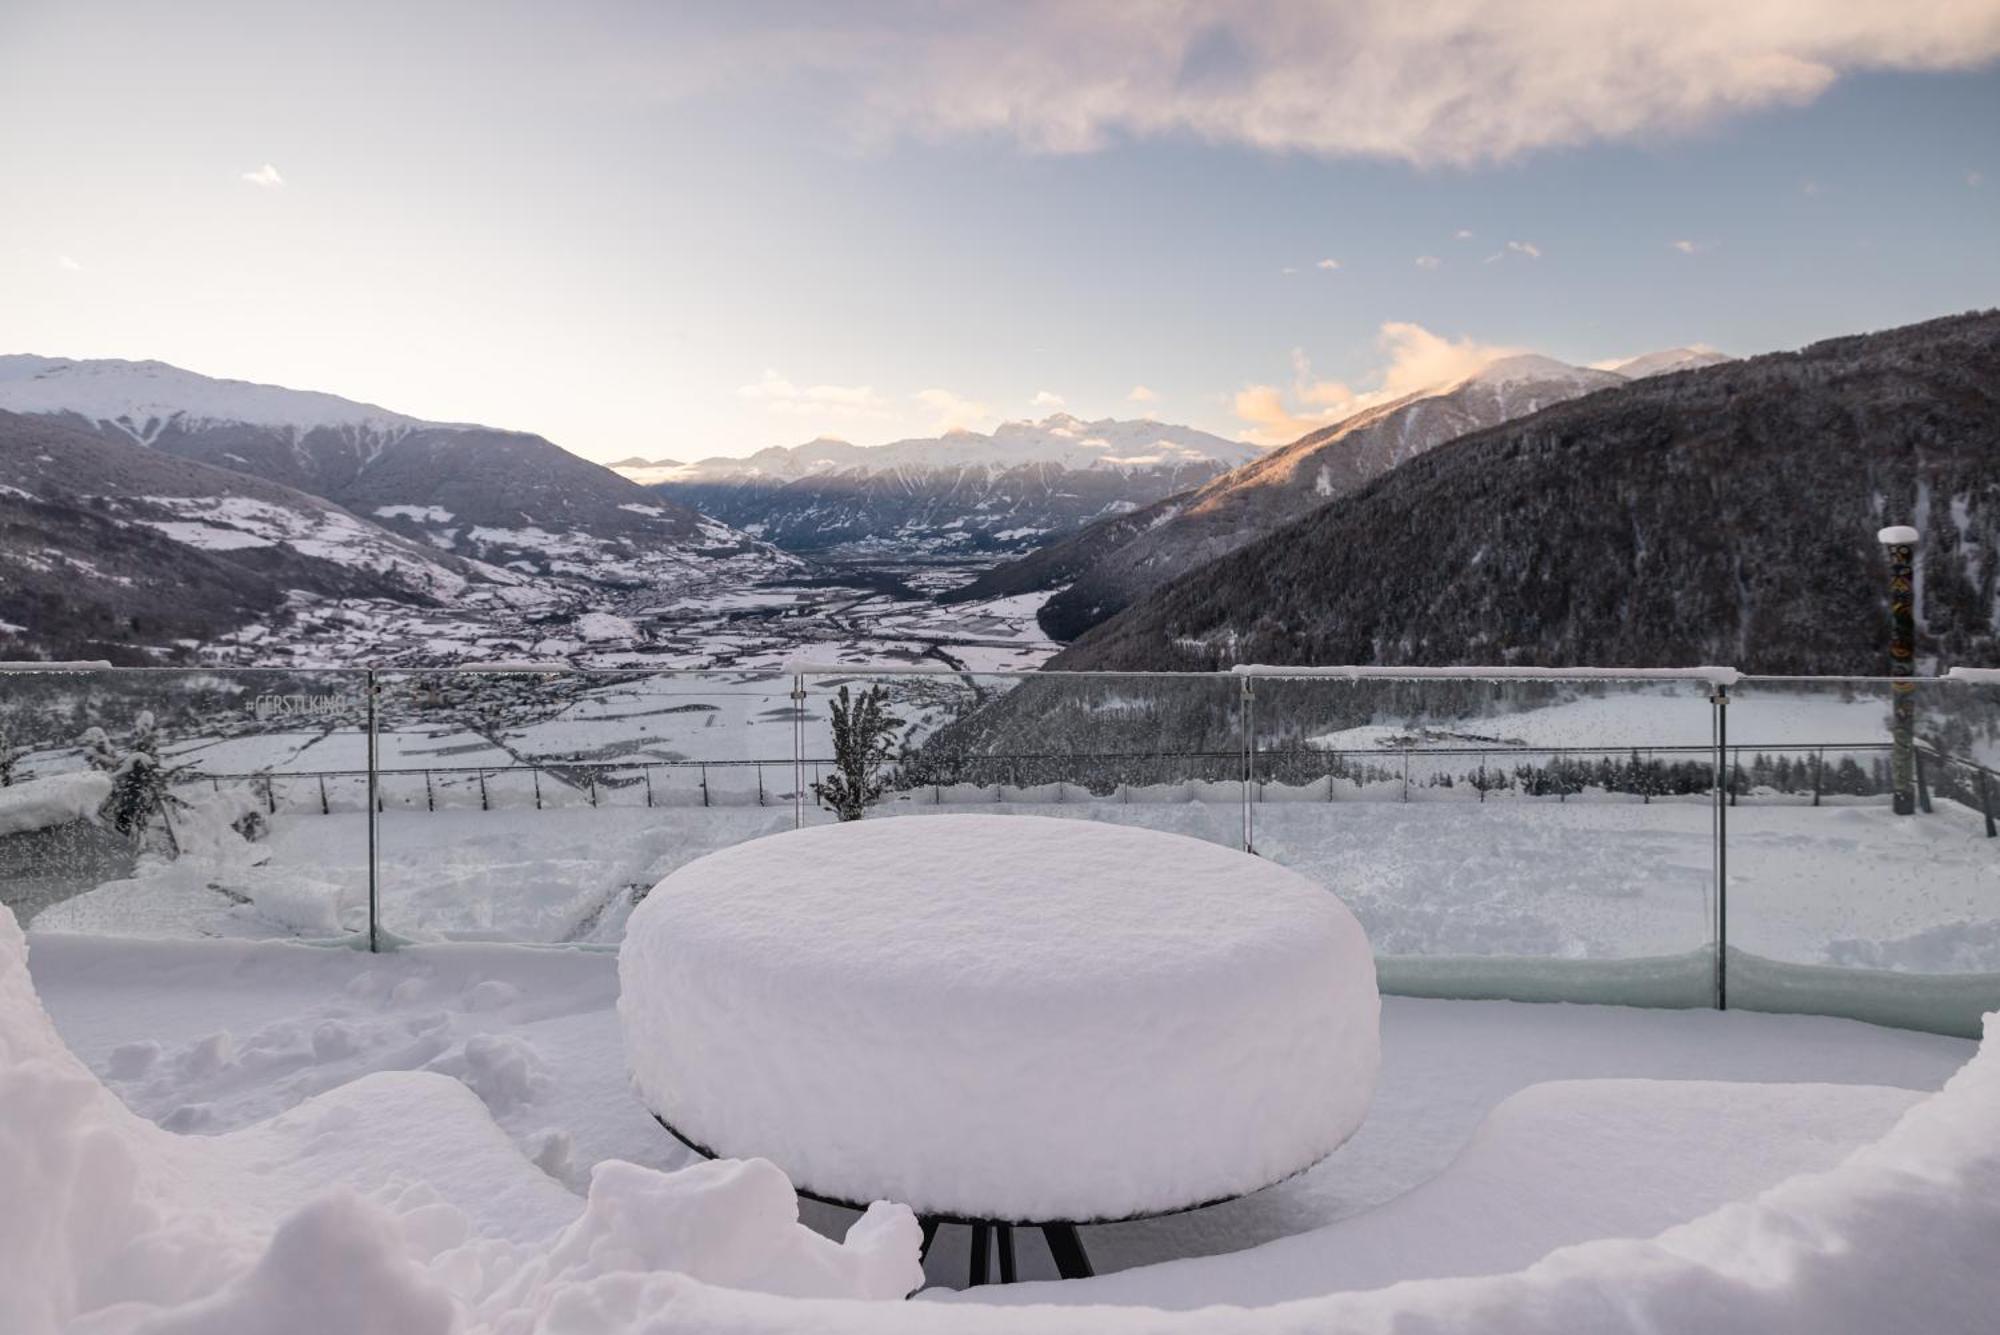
(1002, 1019)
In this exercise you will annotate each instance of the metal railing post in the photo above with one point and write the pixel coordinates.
(1246, 719)
(374, 820)
(1719, 705)
(798, 750)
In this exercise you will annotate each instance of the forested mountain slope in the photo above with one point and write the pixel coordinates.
(1726, 514)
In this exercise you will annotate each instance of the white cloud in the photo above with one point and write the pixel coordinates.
(1046, 399)
(782, 396)
(68, 265)
(1288, 269)
(1428, 262)
(1462, 234)
(1328, 265)
(1140, 394)
(952, 411)
(1441, 83)
(1686, 247)
(265, 176)
(1528, 248)
(1416, 359)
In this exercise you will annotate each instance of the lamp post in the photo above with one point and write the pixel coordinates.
(1899, 544)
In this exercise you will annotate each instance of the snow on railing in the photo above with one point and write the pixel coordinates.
(1714, 676)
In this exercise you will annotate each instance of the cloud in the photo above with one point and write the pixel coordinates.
(1140, 394)
(1415, 359)
(780, 395)
(266, 177)
(1462, 234)
(952, 411)
(1975, 179)
(1328, 265)
(1046, 399)
(1452, 83)
(1429, 262)
(1528, 248)
(68, 265)
(1686, 247)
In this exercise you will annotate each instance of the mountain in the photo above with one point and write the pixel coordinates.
(1669, 360)
(504, 497)
(112, 550)
(1103, 569)
(962, 491)
(1725, 515)
(646, 471)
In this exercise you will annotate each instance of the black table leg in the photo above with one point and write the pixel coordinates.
(1067, 1250)
(982, 1246)
(1006, 1232)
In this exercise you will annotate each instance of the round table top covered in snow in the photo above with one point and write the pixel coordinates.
(1002, 1017)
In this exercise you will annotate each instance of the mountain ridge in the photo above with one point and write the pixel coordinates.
(1725, 514)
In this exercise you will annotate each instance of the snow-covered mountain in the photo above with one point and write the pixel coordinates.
(1103, 568)
(963, 490)
(1669, 360)
(142, 399)
(112, 549)
(505, 497)
(1062, 440)
(298, 501)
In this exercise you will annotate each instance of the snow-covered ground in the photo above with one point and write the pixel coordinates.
(1577, 880)
(474, 1091)
(210, 1037)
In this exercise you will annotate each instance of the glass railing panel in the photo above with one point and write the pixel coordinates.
(1160, 751)
(541, 806)
(183, 802)
(1840, 902)
(1522, 839)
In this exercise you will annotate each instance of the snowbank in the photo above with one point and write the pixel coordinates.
(37, 804)
(997, 1017)
(1900, 1236)
(392, 1203)
(389, 1205)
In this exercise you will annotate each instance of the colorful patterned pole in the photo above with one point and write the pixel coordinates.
(1899, 544)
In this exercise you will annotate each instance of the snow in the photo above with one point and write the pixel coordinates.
(1061, 440)
(389, 1203)
(606, 627)
(227, 523)
(423, 514)
(1451, 1088)
(1560, 1163)
(141, 398)
(866, 1003)
(58, 799)
(1668, 360)
(1720, 676)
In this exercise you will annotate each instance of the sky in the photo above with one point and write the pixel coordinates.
(678, 230)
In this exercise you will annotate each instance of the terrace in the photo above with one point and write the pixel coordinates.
(1710, 868)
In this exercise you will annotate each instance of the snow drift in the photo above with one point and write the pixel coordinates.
(392, 1203)
(37, 804)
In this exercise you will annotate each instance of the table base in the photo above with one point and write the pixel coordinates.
(1065, 1248)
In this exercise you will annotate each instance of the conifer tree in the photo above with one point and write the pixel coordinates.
(864, 738)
